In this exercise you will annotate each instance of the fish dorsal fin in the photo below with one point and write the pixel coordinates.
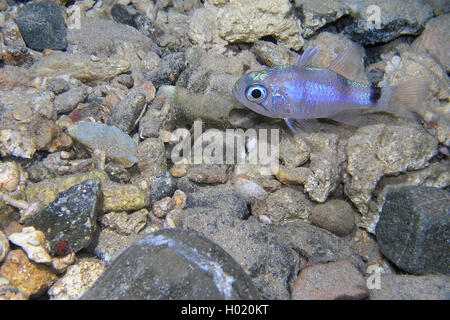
(306, 58)
(349, 63)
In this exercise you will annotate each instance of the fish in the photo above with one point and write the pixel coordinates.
(300, 94)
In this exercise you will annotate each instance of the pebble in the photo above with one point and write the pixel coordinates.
(249, 189)
(117, 145)
(283, 205)
(294, 176)
(332, 281)
(125, 223)
(77, 280)
(170, 67)
(223, 197)
(210, 271)
(125, 114)
(162, 207)
(413, 229)
(123, 197)
(336, 216)
(67, 101)
(152, 158)
(60, 264)
(178, 170)
(180, 199)
(125, 79)
(42, 25)
(34, 244)
(161, 186)
(31, 278)
(9, 176)
(4, 246)
(17, 143)
(79, 66)
(209, 174)
(58, 85)
(69, 221)
(272, 55)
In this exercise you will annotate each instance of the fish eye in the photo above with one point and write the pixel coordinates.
(256, 93)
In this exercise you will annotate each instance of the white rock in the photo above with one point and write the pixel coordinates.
(33, 242)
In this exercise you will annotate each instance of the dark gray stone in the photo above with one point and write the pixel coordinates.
(67, 101)
(413, 230)
(173, 264)
(170, 67)
(126, 112)
(219, 197)
(270, 263)
(69, 221)
(162, 186)
(58, 85)
(407, 287)
(43, 26)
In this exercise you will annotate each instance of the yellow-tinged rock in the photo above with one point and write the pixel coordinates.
(31, 278)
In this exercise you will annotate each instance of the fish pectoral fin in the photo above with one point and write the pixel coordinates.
(306, 58)
(305, 125)
(349, 63)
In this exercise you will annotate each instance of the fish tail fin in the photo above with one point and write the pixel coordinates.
(405, 99)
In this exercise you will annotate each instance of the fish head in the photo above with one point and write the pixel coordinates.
(256, 90)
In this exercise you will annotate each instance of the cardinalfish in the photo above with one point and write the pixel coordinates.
(301, 93)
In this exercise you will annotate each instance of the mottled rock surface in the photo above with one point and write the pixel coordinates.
(69, 221)
(331, 281)
(162, 264)
(42, 25)
(407, 287)
(413, 231)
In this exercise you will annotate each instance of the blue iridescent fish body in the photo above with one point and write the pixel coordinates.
(300, 92)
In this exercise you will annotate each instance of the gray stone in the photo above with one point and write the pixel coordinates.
(434, 40)
(163, 185)
(271, 55)
(126, 113)
(330, 281)
(269, 262)
(117, 145)
(317, 245)
(413, 231)
(152, 157)
(67, 101)
(406, 287)
(42, 26)
(173, 264)
(219, 197)
(315, 14)
(336, 216)
(285, 204)
(69, 221)
(170, 67)
(58, 85)
(379, 150)
(397, 17)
